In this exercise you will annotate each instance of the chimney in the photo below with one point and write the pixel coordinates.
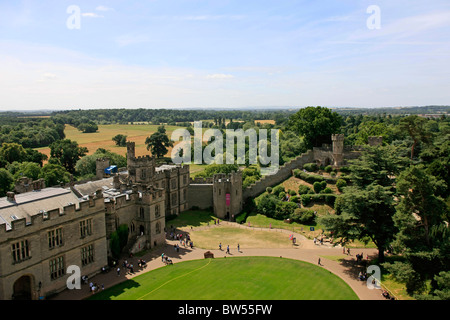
(11, 196)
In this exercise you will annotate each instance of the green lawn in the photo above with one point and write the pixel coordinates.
(238, 278)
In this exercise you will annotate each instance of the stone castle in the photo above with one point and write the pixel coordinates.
(43, 230)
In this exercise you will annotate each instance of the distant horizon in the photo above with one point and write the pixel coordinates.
(268, 108)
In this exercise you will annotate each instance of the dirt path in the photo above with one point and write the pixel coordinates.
(304, 250)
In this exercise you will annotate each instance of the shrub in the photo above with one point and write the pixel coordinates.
(292, 192)
(306, 199)
(328, 169)
(276, 191)
(341, 184)
(302, 189)
(284, 209)
(303, 216)
(333, 174)
(317, 186)
(311, 167)
(295, 199)
(282, 195)
(269, 189)
(327, 190)
(267, 205)
(310, 178)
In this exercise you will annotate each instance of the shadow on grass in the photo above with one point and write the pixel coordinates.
(114, 291)
(194, 218)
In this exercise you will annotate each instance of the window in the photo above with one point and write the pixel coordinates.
(57, 268)
(55, 238)
(174, 199)
(142, 174)
(173, 184)
(184, 194)
(85, 227)
(87, 255)
(158, 228)
(141, 213)
(20, 251)
(157, 213)
(163, 184)
(184, 179)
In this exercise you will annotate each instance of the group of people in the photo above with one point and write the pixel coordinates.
(360, 257)
(184, 240)
(166, 259)
(93, 287)
(228, 248)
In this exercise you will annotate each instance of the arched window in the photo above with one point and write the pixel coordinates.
(158, 228)
(157, 213)
(141, 212)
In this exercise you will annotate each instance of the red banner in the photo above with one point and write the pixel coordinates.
(227, 199)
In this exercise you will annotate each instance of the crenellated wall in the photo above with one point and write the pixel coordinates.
(36, 234)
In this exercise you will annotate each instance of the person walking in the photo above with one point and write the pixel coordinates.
(228, 249)
(239, 250)
(118, 271)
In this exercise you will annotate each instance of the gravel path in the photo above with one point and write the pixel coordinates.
(304, 250)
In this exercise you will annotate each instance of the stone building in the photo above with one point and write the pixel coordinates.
(41, 234)
(43, 231)
(227, 195)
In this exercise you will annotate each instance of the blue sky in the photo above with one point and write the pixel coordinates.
(223, 54)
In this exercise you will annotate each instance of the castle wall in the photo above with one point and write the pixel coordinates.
(284, 172)
(200, 195)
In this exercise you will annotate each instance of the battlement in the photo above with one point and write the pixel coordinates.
(34, 221)
(337, 137)
(230, 177)
(200, 180)
(375, 141)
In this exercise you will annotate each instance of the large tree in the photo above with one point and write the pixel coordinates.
(316, 124)
(67, 153)
(415, 127)
(423, 239)
(363, 214)
(379, 164)
(158, 142)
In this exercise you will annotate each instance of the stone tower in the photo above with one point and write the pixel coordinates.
(338, 149)
(131, 150)
(100, 165)
(227, 195)
(375, 141)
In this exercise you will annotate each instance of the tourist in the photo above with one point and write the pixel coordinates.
(238, 248)
(228, 249)
(220, 246)
(118, 271)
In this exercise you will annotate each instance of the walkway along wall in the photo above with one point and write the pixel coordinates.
(284, 172)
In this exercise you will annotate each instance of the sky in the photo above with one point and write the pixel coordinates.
(57, 54)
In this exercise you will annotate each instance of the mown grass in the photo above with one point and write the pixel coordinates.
(243, 278)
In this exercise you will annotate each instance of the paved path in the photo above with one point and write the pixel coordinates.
(304, 250)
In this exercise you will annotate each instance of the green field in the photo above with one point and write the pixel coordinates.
(239, 278)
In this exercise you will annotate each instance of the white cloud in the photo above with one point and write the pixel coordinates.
(219, 76)
(91, 15)
(104, 8)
